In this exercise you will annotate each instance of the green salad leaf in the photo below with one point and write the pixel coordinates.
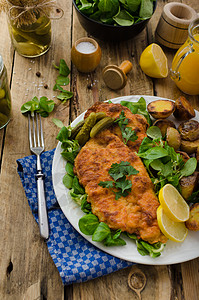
(116, 12)
(124, 18)
(194, 197)
(144, 248)
(101, 232)
(163, 164)
(138, 107)
(42, 106)
(62, 80)
(88, 224)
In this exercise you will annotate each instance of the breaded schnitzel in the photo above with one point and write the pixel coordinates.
(135, 213)
(137, 122)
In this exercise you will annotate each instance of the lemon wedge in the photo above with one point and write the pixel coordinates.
(153, 61)
(175, 231)
(174, 204)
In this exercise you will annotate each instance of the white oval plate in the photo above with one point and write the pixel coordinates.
(173, 252)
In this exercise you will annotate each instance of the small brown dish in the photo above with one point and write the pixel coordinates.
(86, 54)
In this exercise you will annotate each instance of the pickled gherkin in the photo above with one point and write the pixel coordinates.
(84, 134)
(76, 129)
(31, 40)
(100, 115)
(100, 125)
(5, 98)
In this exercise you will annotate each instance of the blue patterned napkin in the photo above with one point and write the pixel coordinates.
(77, 259)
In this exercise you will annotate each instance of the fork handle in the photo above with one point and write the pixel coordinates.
(42, 210)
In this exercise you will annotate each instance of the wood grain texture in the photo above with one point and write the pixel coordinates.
(137, 83)
(25, 261)
(162, 281)
(180, 282)
(26, 268)
(6, 52)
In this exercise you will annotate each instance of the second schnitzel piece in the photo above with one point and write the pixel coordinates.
(135, 213)
(137, 122)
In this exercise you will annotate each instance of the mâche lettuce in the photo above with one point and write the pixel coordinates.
(116, 12)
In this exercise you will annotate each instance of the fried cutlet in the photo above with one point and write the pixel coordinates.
(137, 122)
(135, 213)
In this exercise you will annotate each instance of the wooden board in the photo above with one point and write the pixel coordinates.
(26, 268)
(26, 265)
(165, 282)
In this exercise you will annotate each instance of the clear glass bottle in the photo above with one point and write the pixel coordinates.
(5, 97)
(31, 40)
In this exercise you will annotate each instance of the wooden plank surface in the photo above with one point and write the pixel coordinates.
(180, 282)
(26, 264)
(7, 55)
(164, 286)
(26, 268)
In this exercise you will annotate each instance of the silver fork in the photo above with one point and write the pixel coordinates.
(37, 147)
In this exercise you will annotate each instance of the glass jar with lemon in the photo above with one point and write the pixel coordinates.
(185, 65)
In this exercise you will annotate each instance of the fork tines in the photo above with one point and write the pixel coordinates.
(36, 138)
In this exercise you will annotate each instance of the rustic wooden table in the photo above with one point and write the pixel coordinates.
(26, 268)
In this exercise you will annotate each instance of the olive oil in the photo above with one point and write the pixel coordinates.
(31, 40)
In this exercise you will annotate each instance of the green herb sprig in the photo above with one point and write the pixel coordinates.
(119, 172)
(62, 80)
(128, 134)
(42, 106)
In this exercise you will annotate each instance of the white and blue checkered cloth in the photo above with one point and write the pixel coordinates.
(77, 260)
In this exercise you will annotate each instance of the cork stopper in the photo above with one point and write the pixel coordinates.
(115, 77)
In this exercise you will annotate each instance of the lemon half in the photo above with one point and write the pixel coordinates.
(153, 61)
(174, 204)
(175, 231)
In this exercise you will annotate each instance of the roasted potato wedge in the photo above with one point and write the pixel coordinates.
(189, 184)
(193, 222)
(163, 124)
(189, 130)
(183, 109)
(161, 109)
(189, 147)
(173, 138)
